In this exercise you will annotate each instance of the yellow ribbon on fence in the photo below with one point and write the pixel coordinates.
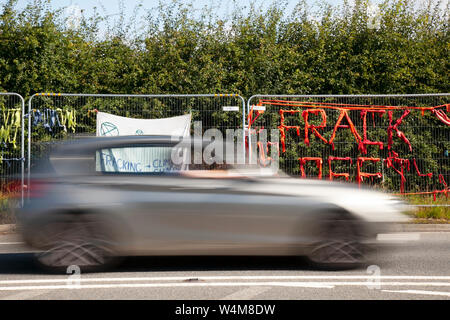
(68, 119)
(10, 126)
(72, 120)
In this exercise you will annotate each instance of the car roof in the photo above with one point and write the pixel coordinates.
(89, 143)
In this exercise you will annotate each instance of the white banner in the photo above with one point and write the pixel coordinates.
(111, 125)
(139, 159)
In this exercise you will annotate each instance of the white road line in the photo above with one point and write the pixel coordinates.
(422, 292)
(307, 284)
(10, 243)
(162, 285)
(246, 294)
(181, 278)
(404, 236)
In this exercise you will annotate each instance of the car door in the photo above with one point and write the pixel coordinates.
(168, 211)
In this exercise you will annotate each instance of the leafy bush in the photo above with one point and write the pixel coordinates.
(266, 51)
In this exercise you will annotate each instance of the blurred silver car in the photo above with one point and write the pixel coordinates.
(90, 204)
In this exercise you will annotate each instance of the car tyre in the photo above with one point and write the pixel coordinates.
(79, 242)
(340, 246)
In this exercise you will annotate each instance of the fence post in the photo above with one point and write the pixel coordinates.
(22, 139)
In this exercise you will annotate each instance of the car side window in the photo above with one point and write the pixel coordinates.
(136, 159)
(155, 159)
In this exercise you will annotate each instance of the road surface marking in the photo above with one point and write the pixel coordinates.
(181, 278)
(307, 284)
(246, 294)
(422, 292)
(162, 285)
(404, 236)
(10, 243)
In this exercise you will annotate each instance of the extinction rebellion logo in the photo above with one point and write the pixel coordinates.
(109, 129)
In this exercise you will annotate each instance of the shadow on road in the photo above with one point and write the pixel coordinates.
(18, 263)
(23, 263)
(201, 263)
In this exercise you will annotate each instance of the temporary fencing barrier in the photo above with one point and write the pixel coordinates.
(397, 142)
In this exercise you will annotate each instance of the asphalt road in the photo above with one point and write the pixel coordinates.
(418, 269)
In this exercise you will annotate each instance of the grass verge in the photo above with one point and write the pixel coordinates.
(436, 213)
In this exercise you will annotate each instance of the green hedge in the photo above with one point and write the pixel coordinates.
(264, 51)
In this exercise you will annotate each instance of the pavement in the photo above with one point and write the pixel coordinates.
(418, 267)
(7, 228)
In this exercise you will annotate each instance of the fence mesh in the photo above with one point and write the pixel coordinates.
(396, 142)
(400, 143)
(65, 116)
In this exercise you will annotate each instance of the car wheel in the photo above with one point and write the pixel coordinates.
(340, 246)
(79, 242)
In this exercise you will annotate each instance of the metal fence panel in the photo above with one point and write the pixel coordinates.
(56, 116)
(398, 142)
(12, 150)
